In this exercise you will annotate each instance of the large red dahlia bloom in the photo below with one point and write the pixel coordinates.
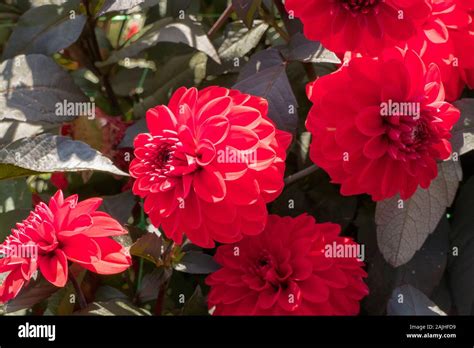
(295, 267)
(363, 26)
(55, 233)
(211, 161)
(379, 125)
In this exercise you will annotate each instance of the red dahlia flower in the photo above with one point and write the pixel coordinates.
(464, 43)
(435, 43)
(364, 26)
(295, 267)
(55, 233)
(379, 125)
(211, 161)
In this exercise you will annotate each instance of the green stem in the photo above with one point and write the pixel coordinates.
(141, 83)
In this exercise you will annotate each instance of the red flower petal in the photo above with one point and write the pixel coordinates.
(54, 268)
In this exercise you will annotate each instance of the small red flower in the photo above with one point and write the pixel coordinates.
(364, 26)
(211, 161)
(295, 267)
(55, 233)
(59, 180)
(379, 125)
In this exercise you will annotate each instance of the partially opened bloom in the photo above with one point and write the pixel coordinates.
(363, 26)
(295, 267)
(211, 161)
(380, 125)
(53, 234)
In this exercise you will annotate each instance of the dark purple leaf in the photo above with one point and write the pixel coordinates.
(30, 88)
(148, 247)
(47, 153)
(272, 84)
(196, 262)
(46, 30)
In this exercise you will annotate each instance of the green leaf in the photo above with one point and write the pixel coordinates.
(48, 153)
